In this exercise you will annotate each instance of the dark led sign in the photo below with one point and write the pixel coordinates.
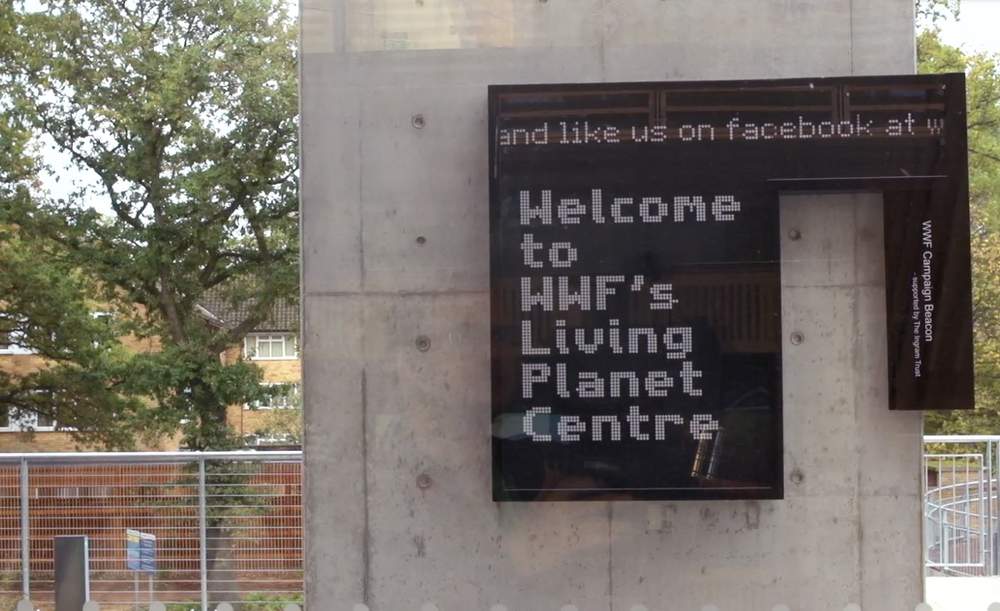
(635, 266)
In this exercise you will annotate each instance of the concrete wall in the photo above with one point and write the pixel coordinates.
(395, 247)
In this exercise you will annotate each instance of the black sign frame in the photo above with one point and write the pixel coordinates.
(901, 136)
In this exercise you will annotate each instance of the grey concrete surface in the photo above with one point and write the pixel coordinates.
(398, 503)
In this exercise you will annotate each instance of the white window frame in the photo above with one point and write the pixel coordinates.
(296, 389)
(27, 421)
(13, 348)
(103, 316)
(270, 440)
(252, 342)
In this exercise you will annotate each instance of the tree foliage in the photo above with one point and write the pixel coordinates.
(983, 82)
(184, 114)
(933, 11)
(282, 426)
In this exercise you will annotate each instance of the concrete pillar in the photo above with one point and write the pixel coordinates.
(396, 329)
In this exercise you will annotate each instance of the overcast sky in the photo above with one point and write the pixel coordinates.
(978, 27)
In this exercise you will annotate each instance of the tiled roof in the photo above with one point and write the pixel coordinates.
(284, 315)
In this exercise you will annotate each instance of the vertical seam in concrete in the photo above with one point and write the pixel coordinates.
(611, 582)
(850, 16)
(603, 40)
(340, 26)
(855, 372)
(367, 539)
(361, 207)
(366, 535)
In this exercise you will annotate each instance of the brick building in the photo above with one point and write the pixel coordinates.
(272, 345)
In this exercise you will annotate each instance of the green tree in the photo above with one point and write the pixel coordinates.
(44, 307)
(983, 82)
(933, 11)
(184, 113)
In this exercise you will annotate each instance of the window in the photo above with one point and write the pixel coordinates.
(43, 421)
(267, 439)
(9, 344)
(284, 400)
(105, 317)
(17, 420)
(13, 419)
(270, 346)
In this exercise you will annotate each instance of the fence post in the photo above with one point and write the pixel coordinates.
(996, 465)
(203, 533)
(987, 498)
(25, 534)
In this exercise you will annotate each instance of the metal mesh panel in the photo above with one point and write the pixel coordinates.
(961, 511)
(247, 511)
(101, 501)
(10, 534)
(954, 513)
(254, 531)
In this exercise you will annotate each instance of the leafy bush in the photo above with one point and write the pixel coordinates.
(271, 601)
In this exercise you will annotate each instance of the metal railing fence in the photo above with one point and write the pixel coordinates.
(961, 510)
(228, 526)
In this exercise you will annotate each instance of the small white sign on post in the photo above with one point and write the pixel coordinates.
(140, 556)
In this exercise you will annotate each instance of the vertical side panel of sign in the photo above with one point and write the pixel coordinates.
(928, 276)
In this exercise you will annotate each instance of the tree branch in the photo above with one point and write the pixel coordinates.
(106, 179)
(989, 156)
